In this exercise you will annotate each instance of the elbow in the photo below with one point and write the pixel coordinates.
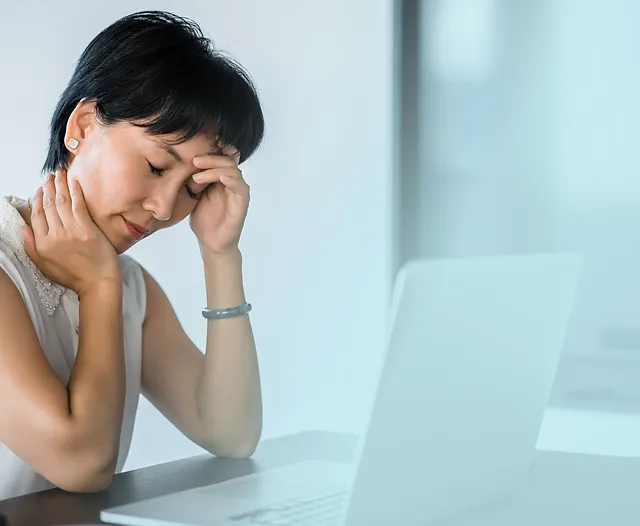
(85, 469)
(231, 452)
(84, 482)
(227, 449)
(239, 451)
(237, 441)
(81, 475)
(232, 446)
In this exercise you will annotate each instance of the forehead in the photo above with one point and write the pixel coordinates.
(200, 144)
(199, 141)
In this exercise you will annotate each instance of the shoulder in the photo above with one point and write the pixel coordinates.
(13, 259)
(11, 223)
(130, 267)
(134, 282)
(157, 304)
(149, 294)
(133, 273)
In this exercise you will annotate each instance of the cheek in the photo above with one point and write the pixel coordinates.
(106, 183)
(184, 206)
(184, 209)
(83, 171)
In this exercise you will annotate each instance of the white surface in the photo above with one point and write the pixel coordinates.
(590, 432)
(317, 240)
(472, 357)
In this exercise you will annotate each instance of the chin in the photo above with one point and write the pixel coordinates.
(119, 244)
(121, 248)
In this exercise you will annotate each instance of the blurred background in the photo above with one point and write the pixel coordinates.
(521, 119)
(395, 130)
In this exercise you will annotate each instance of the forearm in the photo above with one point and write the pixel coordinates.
(97, 384)
(229, 394)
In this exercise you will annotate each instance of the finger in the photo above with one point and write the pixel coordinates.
(209, 176)
(49, 205)
(230, 151)
(213, 175)
(214, 161)
(79, 206)
(38, 218)
(230, 178)
(63, 200)
(236, 184)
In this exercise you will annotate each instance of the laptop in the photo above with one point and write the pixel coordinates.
(470, 361)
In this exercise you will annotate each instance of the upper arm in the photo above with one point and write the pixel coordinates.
(35, 421)
(171, 363)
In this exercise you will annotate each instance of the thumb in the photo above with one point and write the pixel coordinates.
(29, 243)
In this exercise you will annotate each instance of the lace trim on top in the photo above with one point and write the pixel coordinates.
(11, 223)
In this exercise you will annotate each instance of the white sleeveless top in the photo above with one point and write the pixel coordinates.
(55, 316)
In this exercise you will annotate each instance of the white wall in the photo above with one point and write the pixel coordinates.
(317, 241)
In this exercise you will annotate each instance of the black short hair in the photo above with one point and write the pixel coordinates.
(158, 70)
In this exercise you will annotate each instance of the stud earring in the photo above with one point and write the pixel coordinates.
(73, 143)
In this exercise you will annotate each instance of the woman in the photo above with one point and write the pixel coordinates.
(151, 129)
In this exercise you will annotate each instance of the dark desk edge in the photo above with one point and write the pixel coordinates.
(58, 507)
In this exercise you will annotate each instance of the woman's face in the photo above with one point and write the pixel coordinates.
(116, 167)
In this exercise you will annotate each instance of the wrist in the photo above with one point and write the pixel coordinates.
(104, 288)
(231, 258)
(223, 277)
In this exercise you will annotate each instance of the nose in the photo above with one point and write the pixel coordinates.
(162, 203)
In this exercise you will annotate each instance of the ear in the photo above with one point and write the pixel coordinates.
(79, 125)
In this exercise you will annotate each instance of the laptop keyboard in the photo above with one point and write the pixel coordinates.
(321, 509)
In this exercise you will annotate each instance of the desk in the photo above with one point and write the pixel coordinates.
(566, 488)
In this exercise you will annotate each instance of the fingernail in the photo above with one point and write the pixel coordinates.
(198, 178)
(197, 161)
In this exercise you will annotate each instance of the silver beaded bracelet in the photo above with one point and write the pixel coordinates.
(232, 312)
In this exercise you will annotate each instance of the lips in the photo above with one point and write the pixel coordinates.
(136, 231)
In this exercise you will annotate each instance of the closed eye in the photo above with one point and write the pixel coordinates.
(159, 171)
(155, 170)
(191, 193)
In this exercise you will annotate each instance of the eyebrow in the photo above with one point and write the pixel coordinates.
(174, 153)
(170, 149)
